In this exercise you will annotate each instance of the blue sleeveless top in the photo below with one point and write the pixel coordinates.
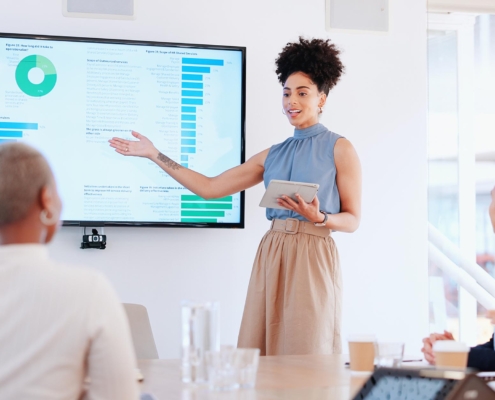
(305, 157)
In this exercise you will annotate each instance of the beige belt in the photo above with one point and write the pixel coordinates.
(293, 226)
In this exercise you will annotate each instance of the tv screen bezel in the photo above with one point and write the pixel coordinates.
(242, 49)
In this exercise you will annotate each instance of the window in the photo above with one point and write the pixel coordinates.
(461, 152)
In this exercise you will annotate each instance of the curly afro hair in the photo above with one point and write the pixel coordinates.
(317, 58)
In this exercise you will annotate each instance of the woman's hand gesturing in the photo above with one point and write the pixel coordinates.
(310, 211)
(143, 147)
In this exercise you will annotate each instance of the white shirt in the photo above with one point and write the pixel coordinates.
(58, 326)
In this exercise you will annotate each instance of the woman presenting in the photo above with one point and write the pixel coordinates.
(294, 298)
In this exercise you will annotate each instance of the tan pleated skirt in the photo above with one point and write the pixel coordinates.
(294, 299)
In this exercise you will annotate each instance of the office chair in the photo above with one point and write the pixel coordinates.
(142, 335)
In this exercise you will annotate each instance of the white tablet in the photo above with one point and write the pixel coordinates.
(277, 189)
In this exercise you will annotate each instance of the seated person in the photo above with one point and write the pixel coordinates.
(481, 357)
(59, 326)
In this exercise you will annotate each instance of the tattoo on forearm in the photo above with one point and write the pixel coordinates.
(168, 162)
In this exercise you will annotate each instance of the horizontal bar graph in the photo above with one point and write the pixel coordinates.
(193, 197)
(198, 220)
(197, 209)
(192, 93)
(208, 206)
(189, 77)
(18, 125)
(10, 134)
(202, 61)
(202, 213)
(11, 131)
(185, 165)
(196, 70)
(196, 102)
(187, 109)
(188, 125)
(192, 85)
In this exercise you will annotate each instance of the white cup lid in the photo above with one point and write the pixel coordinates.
(361, 338)
(450, 346)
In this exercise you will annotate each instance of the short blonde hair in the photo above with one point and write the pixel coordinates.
(23, 173)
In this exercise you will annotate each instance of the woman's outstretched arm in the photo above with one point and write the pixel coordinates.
(229, 182)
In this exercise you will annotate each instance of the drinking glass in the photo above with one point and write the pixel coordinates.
(389, 354)
(200, 333)
(247, 366)
(222, 369)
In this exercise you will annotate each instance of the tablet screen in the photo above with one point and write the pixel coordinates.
(401, 384)
(406, 388)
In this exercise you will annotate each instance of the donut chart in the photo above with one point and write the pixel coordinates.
(22, 76)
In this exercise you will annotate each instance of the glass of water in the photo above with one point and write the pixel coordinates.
(389, 354)
(200, 334)
(247, 366)
(222, 370)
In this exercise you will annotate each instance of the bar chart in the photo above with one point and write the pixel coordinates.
(197, 209)
(13, 131)
(192, 98)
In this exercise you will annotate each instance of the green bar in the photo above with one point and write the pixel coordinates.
(192, 197)
(208, 206)
(198, 220)
(202, 213)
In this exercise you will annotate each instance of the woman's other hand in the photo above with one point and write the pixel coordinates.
(430, 341)
(143, 147)
(310, 211)
(491, 315)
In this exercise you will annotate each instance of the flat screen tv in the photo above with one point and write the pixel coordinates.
(68, 96)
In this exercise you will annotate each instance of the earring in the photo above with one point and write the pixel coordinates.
(45, 220)
(320, 110)
(283, 111)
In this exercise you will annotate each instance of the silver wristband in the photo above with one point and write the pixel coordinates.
(324, 222)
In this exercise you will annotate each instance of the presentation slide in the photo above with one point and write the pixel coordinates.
(68, 98)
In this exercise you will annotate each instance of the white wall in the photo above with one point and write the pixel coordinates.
(380, 105)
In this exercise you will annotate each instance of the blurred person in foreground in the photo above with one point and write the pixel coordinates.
(63, 332)
(481, 357)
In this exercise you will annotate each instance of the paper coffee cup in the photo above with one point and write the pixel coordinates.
(362, 352)
(450, 354)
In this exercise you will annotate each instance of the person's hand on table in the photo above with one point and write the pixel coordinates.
(310, 211)
(490, 314)
(429, 341)
(143, 147)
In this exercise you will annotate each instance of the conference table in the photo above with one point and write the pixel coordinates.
(308, 377)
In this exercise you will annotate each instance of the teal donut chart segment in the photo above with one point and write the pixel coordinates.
(22, 76)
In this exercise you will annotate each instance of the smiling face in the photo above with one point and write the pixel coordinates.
(302, 100)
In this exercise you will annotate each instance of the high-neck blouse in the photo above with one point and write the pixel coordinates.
(305, 157)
